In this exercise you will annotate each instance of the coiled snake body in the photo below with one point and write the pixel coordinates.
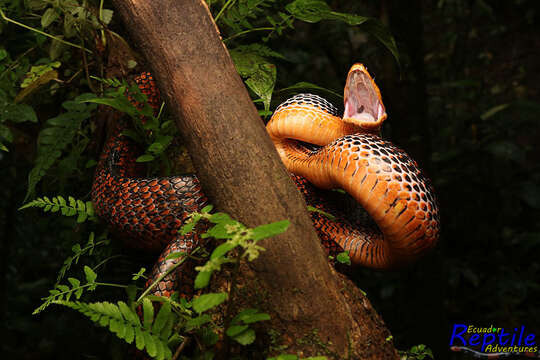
(320, 148)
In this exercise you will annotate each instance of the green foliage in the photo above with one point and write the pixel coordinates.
(239, 15)
(83, 210)
(239, 329)
(39, 71)
(51, 81)
(322, 212)
(253, 62)
(417, 352)
(236, 235)
(59, 133)
(157, 332)
(343, 258)
(79, 251)
(152, 335)
(295, 357)
(157, 135)
(63, 292)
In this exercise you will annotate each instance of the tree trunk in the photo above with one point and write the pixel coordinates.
(242, 175)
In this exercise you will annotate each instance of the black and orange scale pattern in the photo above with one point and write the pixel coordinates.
(146, 212)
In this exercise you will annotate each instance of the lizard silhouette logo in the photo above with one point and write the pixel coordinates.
(488, 342)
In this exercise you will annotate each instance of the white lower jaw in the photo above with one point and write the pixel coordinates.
(359, 118)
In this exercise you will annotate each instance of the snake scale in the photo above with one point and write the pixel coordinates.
(322, 150)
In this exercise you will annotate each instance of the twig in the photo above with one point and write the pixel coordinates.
(180, 348)
(42, 32)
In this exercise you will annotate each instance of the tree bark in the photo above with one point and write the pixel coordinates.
(242, 175)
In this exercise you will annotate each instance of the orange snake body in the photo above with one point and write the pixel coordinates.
(315, 144)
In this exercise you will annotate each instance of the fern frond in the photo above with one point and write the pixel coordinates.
(71, 207)
(123, 321)
(78, 251)
(55, 138)
(63, 292)
(237, 16)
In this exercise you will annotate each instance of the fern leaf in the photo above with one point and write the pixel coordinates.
(148, 313)
(237, 16)
(84, 210)
(120, 320)
(55, 138)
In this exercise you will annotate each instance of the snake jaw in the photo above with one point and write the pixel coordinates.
(363, 103)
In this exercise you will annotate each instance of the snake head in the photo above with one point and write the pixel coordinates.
(363, 103)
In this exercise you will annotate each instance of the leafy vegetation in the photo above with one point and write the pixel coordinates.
(462, 100)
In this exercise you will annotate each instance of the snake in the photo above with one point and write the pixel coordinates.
(322, 150)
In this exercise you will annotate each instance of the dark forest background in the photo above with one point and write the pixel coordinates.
(464, 101)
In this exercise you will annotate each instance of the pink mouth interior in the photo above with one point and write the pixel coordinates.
(362, 100)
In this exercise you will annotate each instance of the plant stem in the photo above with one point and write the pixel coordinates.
(228, 311)
(247, 32)
(157, 281)
(42, 32)
(180, 348)
(107, 259)
(227, 4)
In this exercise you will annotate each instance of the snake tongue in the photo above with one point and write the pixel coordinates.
(363, 103)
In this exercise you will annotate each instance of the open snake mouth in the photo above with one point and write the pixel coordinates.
(362, 98)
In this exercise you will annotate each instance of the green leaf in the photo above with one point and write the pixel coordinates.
(48, 17)
(314, 209)
(343, 257)
(18, 113)
(55, 137)
(260, 75)
(74, 282)
(307, 86)
(207, 209)
(139, 338)
(494, 110)
(120, 103)
(245, 338)
(128, 313)
(285, 357)
(202, 279)
(150, 344)
(220, 218)
(176, 255)
(249, 316)
(208, 301)
(106, 15)
(311, 11)
(197, 322)
(262, 83)
(161, 318)
(222, 249)
(208, 336)
(5, 133)
(381, 32)
(235, 330)
(148, 313)
(145, 158)
(90, 275)
(268, 230)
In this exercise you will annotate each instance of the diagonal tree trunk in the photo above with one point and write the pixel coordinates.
(242, 174)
